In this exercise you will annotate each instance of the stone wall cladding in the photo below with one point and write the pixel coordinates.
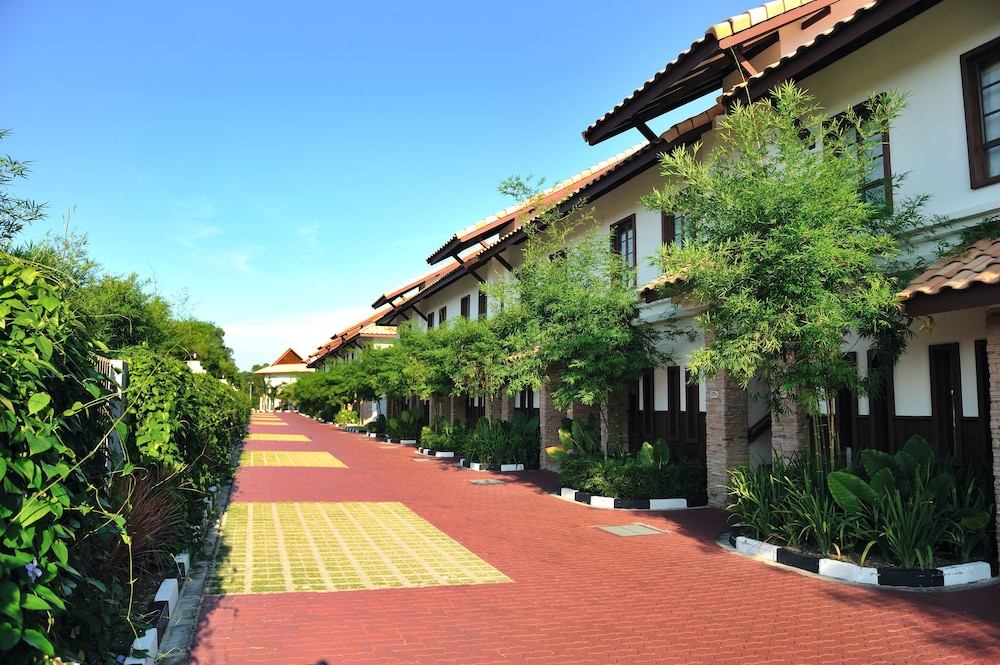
(550, 419)
(993, 359)
(726, 434)
(789, 430)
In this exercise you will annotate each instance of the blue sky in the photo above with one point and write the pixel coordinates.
(282, 164)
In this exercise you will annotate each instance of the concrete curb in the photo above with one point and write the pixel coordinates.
(943, 576)
(611, 503)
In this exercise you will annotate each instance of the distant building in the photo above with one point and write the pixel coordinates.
(286, 369)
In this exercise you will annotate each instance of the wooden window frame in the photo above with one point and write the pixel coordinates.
(974, 116)
(430, 320)
(442, 315)
(481, 314)
(886, 180)
(466, 307)
(616, 239)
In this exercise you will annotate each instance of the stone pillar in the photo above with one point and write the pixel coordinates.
(549, 420)
(789, 430)
(726, 434)
(506, 405)
(993, 359)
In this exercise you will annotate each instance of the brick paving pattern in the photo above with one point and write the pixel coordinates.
(577, 593)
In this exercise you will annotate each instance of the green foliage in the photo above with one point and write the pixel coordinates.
(568, 312)
(14, 212)
(188, 337)
(346, 416)
(905, 507)
(576, 437)
(407, 425)
(781, 250)
(444, 436)
(186, 423)
(514, 441)
(647, 474)
(50, 449)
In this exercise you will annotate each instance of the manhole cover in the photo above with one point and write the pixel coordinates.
(487, 481)
(631, 530)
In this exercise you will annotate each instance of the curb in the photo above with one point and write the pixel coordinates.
(435, 453)
(497, 468)
(913, 578)
(611, 503)
(179, 633)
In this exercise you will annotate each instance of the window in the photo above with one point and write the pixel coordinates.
(466, 306)
(442, 315)
(877, 185)
(482, 305)
(430, 320)
(623, 240)
(673, 229)
(981, 88)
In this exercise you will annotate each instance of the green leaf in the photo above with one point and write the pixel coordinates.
(61, 551)
(32, 602)
(10, 601)
(50, 595)
(971, 519)
(849, 491)
(37, 402)
(39, 641)
(9, 636)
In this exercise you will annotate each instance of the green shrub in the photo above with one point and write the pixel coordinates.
(346, 417)
(53, 467)
(407, 425)
(646, 474)
(514, 441)
(445, 436)
(906, 507)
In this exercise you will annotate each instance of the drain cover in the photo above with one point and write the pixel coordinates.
(631, 530)
(487, 481)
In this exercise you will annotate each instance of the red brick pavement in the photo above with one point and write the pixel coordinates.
(578, 594)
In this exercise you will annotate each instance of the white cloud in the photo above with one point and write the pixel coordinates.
(262, 340)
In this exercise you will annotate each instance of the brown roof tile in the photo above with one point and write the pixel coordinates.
(716, 33)
(979, 264)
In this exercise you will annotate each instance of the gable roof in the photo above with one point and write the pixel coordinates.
(496, 223)
(727, 48)
(847, 35)
(609, 175)
(700, 70)
(955, 282)
(289, 357)
(369, 329)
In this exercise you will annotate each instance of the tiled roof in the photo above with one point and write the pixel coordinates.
(491, 225)
(389, 296)
(701, 68)
(653, 290)
(789, 58)
(367, 328)
(979, 264)
(753, 17)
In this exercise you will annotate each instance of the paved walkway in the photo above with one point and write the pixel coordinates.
(371, 554)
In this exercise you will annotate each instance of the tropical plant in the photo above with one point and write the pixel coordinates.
(504, 442)
(444, 436)
(905, 507)
(405, 426)
(576, 437)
